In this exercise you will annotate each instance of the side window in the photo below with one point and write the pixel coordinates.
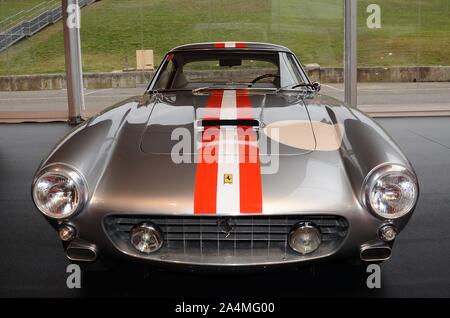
(166, 76)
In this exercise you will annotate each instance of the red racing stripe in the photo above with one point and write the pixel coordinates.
(205, 188)
(243, 105)
(237, 45)
(249, 163)
(169, 57)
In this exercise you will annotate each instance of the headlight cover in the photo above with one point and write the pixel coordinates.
(390, 191)
(59, 191)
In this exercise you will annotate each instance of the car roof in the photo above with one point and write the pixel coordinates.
(231, 46)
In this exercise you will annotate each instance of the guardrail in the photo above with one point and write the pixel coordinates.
(28, 22)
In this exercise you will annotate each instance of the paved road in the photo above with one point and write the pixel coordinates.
(32, 262)
(394, 99)
(56, 100)
(378, 99)
(52, 104)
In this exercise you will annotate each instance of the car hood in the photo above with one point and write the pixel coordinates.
(148, 181)
(285, 126)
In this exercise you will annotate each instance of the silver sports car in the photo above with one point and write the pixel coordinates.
(231, 158)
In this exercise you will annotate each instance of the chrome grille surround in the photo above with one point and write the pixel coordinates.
(224, 240)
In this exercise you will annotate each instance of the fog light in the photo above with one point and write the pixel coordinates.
(67, 233)
(146, 238)
(305, 238)
(388, 233)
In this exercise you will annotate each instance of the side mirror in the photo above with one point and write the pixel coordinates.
(317, 86)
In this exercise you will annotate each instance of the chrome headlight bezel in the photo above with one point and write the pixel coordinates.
(70, 173)
(377, 174)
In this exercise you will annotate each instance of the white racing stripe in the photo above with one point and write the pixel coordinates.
(228, 195)
(228, 108)
(230, 44)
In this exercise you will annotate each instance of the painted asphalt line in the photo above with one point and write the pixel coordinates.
(97, 91)
(61, 97)
(429, 139)
(397, 90)
(332, 87)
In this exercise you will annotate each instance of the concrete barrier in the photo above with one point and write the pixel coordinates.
(58, 81)
(317, 73)
(32, 82)
(382, 74)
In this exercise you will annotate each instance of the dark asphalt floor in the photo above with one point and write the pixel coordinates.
(32, 262)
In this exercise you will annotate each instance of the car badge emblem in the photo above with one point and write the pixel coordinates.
(228, 178)
(225, 226)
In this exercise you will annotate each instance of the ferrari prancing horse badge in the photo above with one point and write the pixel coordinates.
(228, 178)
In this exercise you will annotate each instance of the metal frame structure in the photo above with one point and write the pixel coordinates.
(350, 53)
(72, 51)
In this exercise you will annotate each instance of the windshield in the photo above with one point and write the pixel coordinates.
(192, 70)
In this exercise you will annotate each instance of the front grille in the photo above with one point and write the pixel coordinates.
(209, 238)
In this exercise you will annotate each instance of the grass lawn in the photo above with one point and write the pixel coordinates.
(414, 32)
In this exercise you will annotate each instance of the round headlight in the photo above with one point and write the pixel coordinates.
(59, 192)
(391, 191)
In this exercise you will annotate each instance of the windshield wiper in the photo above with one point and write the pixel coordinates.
(294, 86)
(200, 89)
(155, 91)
